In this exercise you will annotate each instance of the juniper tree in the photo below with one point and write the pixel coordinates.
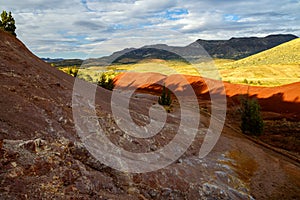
(165, 97)
(252, 122)
(7, 23)
(107, 83)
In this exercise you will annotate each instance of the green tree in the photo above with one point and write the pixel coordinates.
(165, 97)
(252, 122)
(110, 84)
(107, 83)
(102, 80)
(7, 23)
(72, 71)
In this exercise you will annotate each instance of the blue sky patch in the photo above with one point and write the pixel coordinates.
(232, 17)
(175, 14)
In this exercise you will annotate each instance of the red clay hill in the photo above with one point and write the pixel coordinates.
(282, 99)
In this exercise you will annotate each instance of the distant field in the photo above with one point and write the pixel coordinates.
(277, 66)
(265, 75)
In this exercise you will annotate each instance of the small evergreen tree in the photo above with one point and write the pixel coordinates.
(102, 80)
(7, 23)
(107, 83)
(73, 71)
(252, 122)
(110, 84)
(165, 97)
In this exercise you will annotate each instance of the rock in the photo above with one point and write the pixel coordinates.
(69, 176)
(33, 145)
(213, 191)
(234, 194)
(153, 147)
(61, 119)
(80, 153)
(166, 192)
(153, 193)
(84, 185)
(133, 190)
(14, 164)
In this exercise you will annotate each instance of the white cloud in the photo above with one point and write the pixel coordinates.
(60, 27)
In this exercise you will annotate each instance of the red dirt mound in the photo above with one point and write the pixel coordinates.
(35, 97)
(282, 99)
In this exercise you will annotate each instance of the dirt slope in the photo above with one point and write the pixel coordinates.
(282, 99)
(41, 156)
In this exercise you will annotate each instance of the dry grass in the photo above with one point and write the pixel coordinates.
(277, 66)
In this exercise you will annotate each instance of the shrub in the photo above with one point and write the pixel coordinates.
(88, 78)
(252, 122)
(7, 23)
(165, 97)
(72, 71)
(107, 83)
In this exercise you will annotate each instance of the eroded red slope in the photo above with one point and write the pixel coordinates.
(282, 99)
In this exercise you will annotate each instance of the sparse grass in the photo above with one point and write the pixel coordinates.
(285, 54)
(282, 134)
(277, 66)
(159, 66)
(272, 75)
(92, 74)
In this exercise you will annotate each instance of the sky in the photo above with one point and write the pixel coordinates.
(94, 28)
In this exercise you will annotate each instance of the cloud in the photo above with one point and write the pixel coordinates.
(89, 25)
(74, 27)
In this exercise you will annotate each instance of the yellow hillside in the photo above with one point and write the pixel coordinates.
(277, 66)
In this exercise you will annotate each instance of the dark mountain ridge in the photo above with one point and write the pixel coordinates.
(234, 48)
(237, 48)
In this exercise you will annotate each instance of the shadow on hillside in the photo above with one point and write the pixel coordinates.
(274, 103)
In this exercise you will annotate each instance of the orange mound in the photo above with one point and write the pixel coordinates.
(282, 99)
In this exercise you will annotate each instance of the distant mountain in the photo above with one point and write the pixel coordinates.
(158, 51)
(106, 60)
(52, 60)
(137, 55)
(237, 48)
(60, 62)
(234, 48)
(284, 54)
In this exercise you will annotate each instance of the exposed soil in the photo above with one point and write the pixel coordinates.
(42, 157)
(282, 134)
(280, 105)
